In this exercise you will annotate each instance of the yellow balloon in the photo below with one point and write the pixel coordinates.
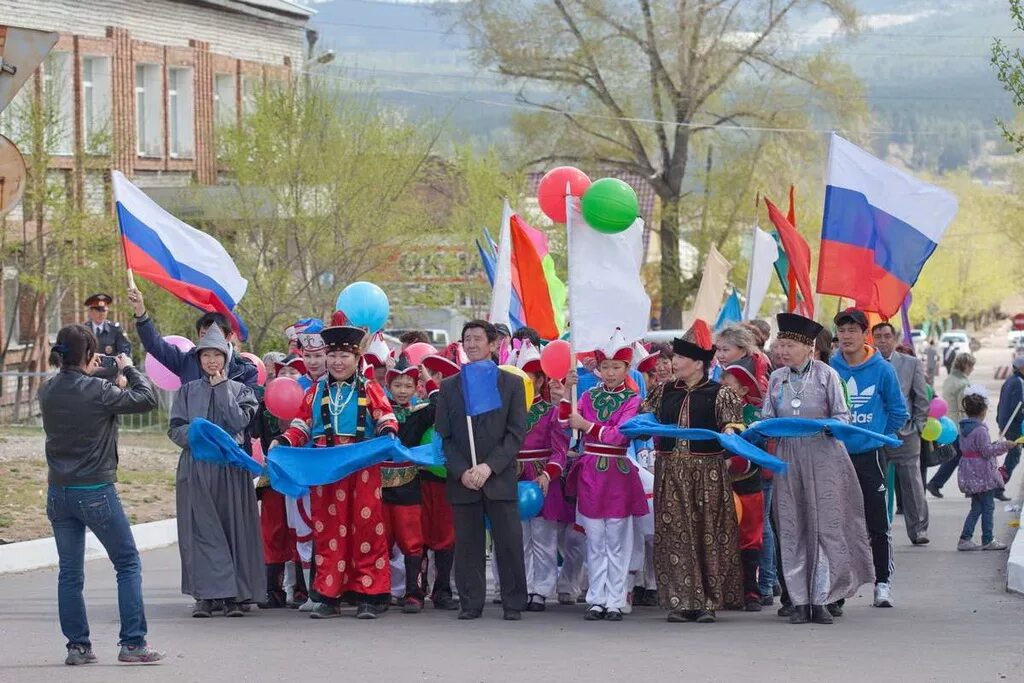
(527, 382)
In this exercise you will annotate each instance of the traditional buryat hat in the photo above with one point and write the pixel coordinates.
(291, 361)
(402, 367)
(798, 328)
(100, 301)
(344, 338)
(377, 353)
(746, 378)
(617, 348)
(438, 363)
(527, 357)
(644, 360)
(696, 343)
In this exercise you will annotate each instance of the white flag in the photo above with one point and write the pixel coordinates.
(501, 293)
(712, 288)
(762, 266)
(605, 288)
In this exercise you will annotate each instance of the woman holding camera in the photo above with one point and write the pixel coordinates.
(80, 421)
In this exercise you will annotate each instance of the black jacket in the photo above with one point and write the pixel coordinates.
(498, 437)
(80, 420)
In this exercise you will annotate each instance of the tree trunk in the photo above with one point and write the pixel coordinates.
(671, 276)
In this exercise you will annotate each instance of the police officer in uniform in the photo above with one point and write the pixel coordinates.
(111, 337)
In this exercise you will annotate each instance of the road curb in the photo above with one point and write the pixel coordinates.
(42, 552)
(1015, 564)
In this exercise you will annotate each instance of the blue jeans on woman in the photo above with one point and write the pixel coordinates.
(766, 574)
(982, 505)
(71, 512)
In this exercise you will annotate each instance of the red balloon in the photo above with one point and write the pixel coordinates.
(556, 359)
(261, 369)
(551, 190)
(418, 351)
(283, 398)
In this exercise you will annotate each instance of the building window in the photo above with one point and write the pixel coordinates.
(149, 111)
(14, 119)
(249, 86)
(57, 105)
(12, 312)
(179, 112)
(96, 104)
(224, 99)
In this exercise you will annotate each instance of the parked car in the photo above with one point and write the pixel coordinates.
(439, 338)
(919, 341)
(958, 339)
(1014, 337)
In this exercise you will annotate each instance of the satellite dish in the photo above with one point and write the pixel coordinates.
(22, 50)
(12, 176)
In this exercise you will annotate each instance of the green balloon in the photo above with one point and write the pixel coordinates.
(932, 429)
(436, 470)
(609, 205)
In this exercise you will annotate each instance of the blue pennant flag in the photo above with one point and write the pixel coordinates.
(732, 311)
(480, 387)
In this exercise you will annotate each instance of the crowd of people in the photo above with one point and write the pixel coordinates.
(627, 522)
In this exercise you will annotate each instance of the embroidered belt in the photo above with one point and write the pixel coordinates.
(392, 476)
(538, 457)
(688, 453)
(605, 450)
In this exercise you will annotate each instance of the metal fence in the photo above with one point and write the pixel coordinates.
(19, 407)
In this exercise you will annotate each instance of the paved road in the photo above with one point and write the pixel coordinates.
(953, 621)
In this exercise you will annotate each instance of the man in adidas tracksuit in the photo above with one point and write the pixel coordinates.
(876, 403)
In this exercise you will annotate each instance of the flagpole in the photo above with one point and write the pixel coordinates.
(472, 439)
(568, 277)
(124, 247)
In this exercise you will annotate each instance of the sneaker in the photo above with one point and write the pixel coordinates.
(680, 616)
(79, 654)
(203, 609)
(512, 615)
(139, 654)
(921, 540)
(933, 489)
(1001, 495)
(308, 606)
(967, 544)
(706, 616)
(650, 598)
(444, 600)
(613, 615)
(367, 611)
(321, 610)
(752, 604)
(883, 595)
(785, 611)
(412, 605)
(594, 613)
(767, 600)
(994, 545)
(233, 609)
(566, 599)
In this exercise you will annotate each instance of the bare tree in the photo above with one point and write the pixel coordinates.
(634, 82)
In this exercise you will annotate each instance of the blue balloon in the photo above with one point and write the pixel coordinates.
(531, 499)
(949, 431)
(365, 305)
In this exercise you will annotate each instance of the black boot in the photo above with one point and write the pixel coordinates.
(750, 561)
(820, 615)
(442, 595)
(275, 597)
(801, 614)
(413, 601)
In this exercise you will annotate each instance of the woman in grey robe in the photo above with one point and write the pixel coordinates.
(218, 521)
(818, 503)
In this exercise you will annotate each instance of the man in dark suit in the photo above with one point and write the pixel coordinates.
(490, 488)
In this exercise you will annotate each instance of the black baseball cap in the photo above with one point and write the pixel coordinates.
(851, 315)
(503, 330)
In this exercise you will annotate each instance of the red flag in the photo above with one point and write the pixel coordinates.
(793, 299)
(799, 255)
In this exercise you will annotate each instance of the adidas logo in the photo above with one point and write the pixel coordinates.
(859, 397)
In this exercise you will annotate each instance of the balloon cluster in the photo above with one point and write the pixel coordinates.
(939, 427)
(608, 205)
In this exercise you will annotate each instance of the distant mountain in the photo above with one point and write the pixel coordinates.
(924, 62)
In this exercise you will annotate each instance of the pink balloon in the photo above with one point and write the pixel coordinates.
(938, 408)
(418, 351)
(551, 190)
(160, 375)
(261, 369)
(556, 359)
(283, 398)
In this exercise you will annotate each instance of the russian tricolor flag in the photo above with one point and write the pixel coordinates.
(186, 262)
(880, 227)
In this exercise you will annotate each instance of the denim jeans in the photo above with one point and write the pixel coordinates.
(766, 575)
(982, 505)
(71, 512)
(1012, 459)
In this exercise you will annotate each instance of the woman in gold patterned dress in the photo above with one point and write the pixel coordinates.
(696, 539)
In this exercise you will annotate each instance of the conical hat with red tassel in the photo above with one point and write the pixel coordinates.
(643, 360)
(617, 348)
(696, 343)
(527, 357)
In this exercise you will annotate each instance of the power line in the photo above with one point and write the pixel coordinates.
(646, 121)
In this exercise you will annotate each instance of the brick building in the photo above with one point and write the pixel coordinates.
(141, 86)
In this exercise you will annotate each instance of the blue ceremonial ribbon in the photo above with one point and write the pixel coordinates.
(210, 443)
(645, 425)
(796, 427)
(293, 470)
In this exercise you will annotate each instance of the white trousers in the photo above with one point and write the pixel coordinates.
(298, 523)
(609, 551)
(540, 551)
(397, 572)
(572, 545)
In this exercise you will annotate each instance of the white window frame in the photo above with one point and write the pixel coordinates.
(149, 128)
(180, 113)
(225, 102)
(96, 101)
(57, 84)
